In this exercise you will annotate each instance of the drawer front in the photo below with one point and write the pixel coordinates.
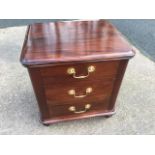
(74, 72)
(78, 92)
(78, 109)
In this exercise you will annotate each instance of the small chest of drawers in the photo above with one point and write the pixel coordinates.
(76, 68)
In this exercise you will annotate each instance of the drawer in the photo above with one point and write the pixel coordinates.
(74, 72)
(67, 93)
(78, 109)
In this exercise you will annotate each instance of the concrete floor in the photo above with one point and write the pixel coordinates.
(19, 111)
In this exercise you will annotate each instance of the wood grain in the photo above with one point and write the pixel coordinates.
(57, 94)
(81, 69)
(63, 110)
(74, 41)
(50, 49)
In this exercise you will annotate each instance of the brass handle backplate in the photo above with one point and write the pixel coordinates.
(73, 109)
(72, 71)
(72, 92)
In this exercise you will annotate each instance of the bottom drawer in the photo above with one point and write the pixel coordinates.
(77, 109)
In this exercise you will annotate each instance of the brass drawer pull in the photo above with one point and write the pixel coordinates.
(72, 92)
(73, 109)
(73, 72)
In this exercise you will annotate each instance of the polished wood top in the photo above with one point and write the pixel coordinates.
(74, 41)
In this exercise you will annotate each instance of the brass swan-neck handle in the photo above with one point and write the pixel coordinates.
(73, 92)
(72, 71)
(73, 109)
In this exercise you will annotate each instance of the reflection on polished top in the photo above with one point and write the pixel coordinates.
(73, 41)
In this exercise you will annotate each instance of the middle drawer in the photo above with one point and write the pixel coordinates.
(80, 91)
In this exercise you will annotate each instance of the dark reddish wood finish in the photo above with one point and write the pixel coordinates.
(50, 49)
(74, 41)
(59, 72)
(58, 93)
(62, 110)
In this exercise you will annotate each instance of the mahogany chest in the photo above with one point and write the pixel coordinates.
(76, 68)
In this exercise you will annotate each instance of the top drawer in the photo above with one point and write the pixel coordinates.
(81, 71)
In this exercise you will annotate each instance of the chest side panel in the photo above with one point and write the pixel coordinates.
(38, 88)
